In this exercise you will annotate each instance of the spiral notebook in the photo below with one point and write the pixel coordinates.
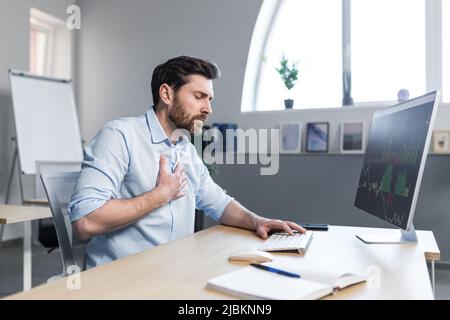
(314, 283)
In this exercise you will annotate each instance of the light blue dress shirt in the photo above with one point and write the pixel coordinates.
(122, 162)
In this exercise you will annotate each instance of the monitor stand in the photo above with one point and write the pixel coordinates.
(402, 237)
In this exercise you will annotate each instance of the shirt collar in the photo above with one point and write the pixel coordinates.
(157, 132)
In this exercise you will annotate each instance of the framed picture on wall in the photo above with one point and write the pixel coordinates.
(441, 141)
(317, 136)
(352, 137)
(290, 137)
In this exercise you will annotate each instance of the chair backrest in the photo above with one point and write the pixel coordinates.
(50, 167)
(59, 187)
(44, 230)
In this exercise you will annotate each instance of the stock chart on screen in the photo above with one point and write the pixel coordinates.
(392, 162)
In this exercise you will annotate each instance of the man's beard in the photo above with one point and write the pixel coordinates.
(182, 120)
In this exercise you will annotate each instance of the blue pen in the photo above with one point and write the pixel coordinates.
(275, 270)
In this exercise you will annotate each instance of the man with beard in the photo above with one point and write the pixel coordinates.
(140, 182)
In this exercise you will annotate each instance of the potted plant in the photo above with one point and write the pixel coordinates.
(289, 75)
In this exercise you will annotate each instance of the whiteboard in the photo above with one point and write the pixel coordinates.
(46, 120)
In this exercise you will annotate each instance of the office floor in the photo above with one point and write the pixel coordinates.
(46, 265)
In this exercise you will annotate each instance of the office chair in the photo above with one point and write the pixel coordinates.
(46, 233)
(59, 188)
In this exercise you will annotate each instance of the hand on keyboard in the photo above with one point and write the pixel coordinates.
(283, 241)
(264, 226)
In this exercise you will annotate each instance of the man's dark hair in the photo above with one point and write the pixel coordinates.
(175, 73)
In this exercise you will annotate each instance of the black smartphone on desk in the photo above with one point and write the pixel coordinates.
(315, 226)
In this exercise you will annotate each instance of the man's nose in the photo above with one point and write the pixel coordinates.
(207, 108)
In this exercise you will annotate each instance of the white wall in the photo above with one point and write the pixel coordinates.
(14, 52)
(270, 119)
(121, 42)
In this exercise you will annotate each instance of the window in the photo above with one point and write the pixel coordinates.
(39, 48)
(377, 46)
(446, 50)
(295, 32)
(387, 49)
(50, 46)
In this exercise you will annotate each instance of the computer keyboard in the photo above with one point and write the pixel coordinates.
(282, 241)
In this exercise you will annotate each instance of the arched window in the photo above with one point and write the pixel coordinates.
(348, 52)
(311, 37)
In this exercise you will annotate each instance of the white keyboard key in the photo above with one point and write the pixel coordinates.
(283, 241)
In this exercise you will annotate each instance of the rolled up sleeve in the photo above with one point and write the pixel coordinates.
(105, 164)
(210, 197)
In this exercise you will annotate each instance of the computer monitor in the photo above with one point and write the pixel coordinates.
(396, 153)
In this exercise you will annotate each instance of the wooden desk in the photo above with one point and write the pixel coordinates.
(181, 268)
(10, 214)
(13, 214)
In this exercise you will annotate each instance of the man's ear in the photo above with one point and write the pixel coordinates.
(166, 94)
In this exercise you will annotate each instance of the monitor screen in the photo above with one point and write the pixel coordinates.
(396, 152)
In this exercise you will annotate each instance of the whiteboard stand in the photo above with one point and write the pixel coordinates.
(46, 120)
(47, 128)
(15, 161)
(27, 262)
(8, 188)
